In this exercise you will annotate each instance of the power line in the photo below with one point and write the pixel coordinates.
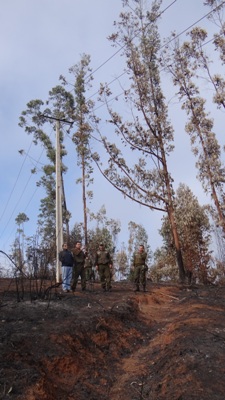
(14, 186)
(24, 189)
(105, 62)
(189, 27)
(16, 205)
(119, 50)
(14, 229)
(122, 47)
(161, 47)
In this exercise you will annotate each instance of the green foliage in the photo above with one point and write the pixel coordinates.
(166, 273)
(34, 119)
(138, 236)
(194, 232)
(105, 231)
(186, 63)
(82, 117)
(145, 177)
(121, 264)
(21, 218)
(148, 133)
(76, 233)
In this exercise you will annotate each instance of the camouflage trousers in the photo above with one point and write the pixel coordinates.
(105, 276)
(78, 271)
(88, 273)
(140, 276)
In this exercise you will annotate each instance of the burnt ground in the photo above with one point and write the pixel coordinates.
(167, 343)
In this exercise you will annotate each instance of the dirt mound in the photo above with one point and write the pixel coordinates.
(167, 343)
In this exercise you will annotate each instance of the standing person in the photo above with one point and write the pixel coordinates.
(88, 267)
(103, 264)
(79, 259)
(66, 258)
(140, 268)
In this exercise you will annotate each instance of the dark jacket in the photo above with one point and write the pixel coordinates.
(66, 258)
(79, 258)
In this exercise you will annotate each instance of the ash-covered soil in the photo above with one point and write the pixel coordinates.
(165, 344)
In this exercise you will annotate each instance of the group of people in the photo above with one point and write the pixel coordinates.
(77, 263)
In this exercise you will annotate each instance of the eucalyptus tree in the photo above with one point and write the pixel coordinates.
(105, 230)
(20, 220)
(163, 267)
(83, 117)
(76, 233)
(121, 265)
(148, 133)
(186, 63)
(220, 245)
(36, 120)
(19, 242)
(137, 236)
(194, 232)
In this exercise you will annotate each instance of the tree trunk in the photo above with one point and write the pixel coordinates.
(177, 246)
(84, 203)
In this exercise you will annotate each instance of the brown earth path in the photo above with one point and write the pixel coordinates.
(168, 343)
(184, 358)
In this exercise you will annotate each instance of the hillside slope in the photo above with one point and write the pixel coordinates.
(167, 343)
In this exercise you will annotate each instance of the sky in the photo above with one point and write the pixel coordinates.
(40, 40)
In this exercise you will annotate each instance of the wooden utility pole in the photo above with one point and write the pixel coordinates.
(58, 194)
(59, 222)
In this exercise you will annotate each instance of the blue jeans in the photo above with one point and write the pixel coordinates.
(66, 277)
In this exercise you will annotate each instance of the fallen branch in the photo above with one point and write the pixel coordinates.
(167, 295)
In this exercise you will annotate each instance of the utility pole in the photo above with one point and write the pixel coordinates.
(58, 199)
(59, 222)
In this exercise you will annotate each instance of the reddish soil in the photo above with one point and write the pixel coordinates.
(167, 343)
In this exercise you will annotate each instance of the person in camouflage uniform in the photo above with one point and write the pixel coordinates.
(140, 268)
(79, 260)
(88, 267)
(103, 264)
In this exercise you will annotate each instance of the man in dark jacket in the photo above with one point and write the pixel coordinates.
(79, 260)
(66, 258)
(103, 264)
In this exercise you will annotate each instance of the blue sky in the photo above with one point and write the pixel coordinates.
(39, 41)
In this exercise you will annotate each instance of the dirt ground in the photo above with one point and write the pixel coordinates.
(167, 343)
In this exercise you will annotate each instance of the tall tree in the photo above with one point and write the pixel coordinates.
(103, 230)
(121, 265)
(183, 63)
(163, 267)
(194, 231)
(137, 236)
(106, 231)
(19, 242)
(36, 120)
(148, 133)
(81, 137)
